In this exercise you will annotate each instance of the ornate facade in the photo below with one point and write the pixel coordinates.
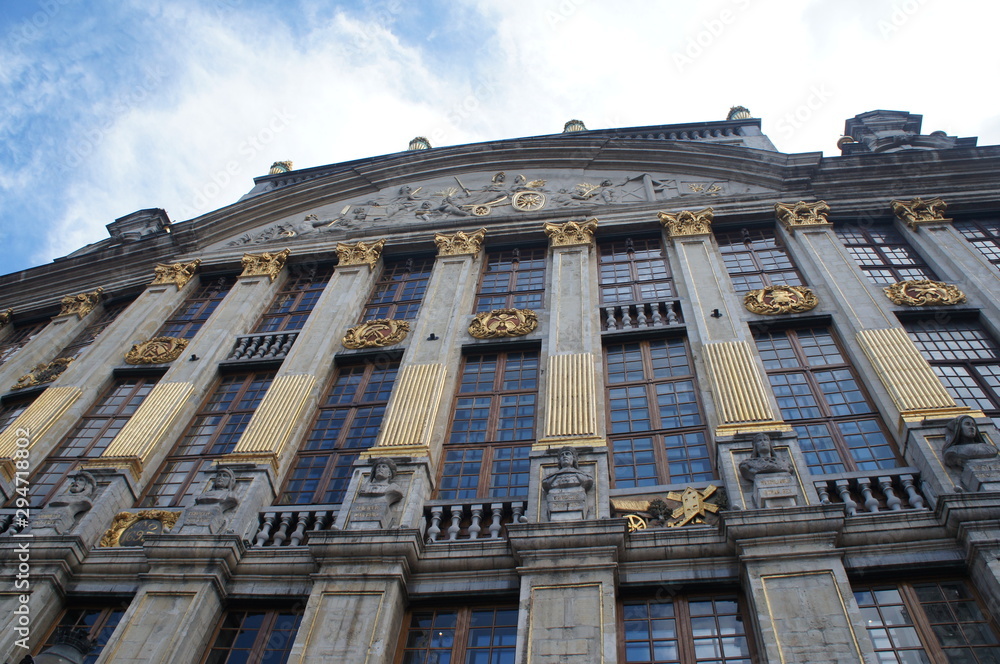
(656, 394)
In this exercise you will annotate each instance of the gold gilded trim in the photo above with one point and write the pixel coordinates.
(123, 520)
(687, 222)
(376, 333)
(924, 293)
(738, 386)
(143, 431)
(773, 300)
(918, 212)
(267, 264)
(460, 243)
(43, 373)
(359, 253)
(571, 233)
(272, 423)
(81, 304)
(412, 408)
(158, 350)
(503, 323)
(572, 403)
(802, 215)
(178, 274)
(34, 422)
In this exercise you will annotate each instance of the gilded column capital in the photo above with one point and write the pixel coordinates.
(924, 293)
(460, 243)
(267, 264)
(6, 317)
(802, 214)
(687, 222)
(917, 212)
(174, 273)
(359, 253)
(81, 304)
(572, 233)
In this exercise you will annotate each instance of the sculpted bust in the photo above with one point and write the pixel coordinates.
(61, 512)
(763, 460)
(220, 491)
(963, 441)
(566, 488)
(379, 483)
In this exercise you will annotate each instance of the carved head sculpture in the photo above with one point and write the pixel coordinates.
(568, 458)
(224, 479)
(762, 446)
(383, 470)
(962, 430)
(82, 483)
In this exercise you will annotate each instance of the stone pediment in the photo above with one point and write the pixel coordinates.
(483, 197)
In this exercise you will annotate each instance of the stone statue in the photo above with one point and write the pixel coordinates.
(963, 441)
(566, 488)
(379, 483)
(763, 460)
(372, 508)
(76, 498)
(206, 515)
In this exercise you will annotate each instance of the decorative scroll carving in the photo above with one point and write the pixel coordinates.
(460, 243)
(359, 253)
(81, 304)
(780, 300)
(687, 222)
(6, 317)
(571, 233)
(924, 293)
(267, 264)
(158, 350)
(503, 323)
(175, 273)
(43, 373)
(376, 333)
(802, 214)
(125, 520)
(918, 211)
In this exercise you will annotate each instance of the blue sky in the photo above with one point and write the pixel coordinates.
(110, 107)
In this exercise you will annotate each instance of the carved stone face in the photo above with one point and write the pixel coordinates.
(969, 430)
(382, 472)
(78, 485)
(762, 445)
(566, 459)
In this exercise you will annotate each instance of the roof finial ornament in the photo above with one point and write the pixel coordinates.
(574, 125)
(280, 167)
(739, 113)
(419, 143)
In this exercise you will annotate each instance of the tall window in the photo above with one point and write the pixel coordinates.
(214, 432)
(469, 635)
(254, 637)
(12, 409)
(293, 304)
(91, 436)
(634, 271)
(935, 621)
(755, 259)
(966, 359)
(399, 290)
(821, 398)
(99, 621)
(512, 279)
(347, 422)
(86, 337)
(984, 235)
(191, 315)
(657, 428)
(492, 426)
(684, 630)
(18, 337)
(883, 254)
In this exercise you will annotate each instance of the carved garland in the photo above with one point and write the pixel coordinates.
(81, 304)
(158, 350)
(924, 293)
(918, 211)
(359, 253)
(42, 373)
(687, 222)
(802, 214)
(267, 264)
(123, 520)
(174, 273)
(571, 233)
(460, 243)
(780, 300)
(503, 323)
(376, 333)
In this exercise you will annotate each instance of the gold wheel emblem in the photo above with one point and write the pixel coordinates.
(481, 210)
(635, 522)
(528, 201)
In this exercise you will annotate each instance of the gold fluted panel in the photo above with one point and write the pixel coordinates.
(272, 423)
(34, 422)
(411, 411)
(739, 389)
(572, 405)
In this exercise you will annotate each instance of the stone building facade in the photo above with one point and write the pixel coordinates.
(656, 394)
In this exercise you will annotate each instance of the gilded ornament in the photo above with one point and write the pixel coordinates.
(267, 264)
(694, 506)
(81, 304)
(460, 243)
(174, 273)
(279, 167)
(359, 253)
(158, 350)
(503, 323)
(43, 373)
(780, 300)
(687, 222)
(571, 233)
(918, 211)
(376, 333)
(802, 214)
(528, 201)
(635, 522)
(924, 293)
(6, 317)
(124, 520)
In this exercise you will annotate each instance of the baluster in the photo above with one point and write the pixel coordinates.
(916, 500)
(671, 314)
(251, 348)
(497, 509)
(892, 501)
(273, 345)
(844, 489)
(871, 502)
(319, 523)
(477, 517)
(435, 527)
(265, 530)
(265, 348)
(456, 522)
(300, 529)
(286, 346)
(286, 520)
(241, 346)
(655, 311)
(518, 509)
(824, 492)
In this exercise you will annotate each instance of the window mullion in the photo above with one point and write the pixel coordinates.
(682, 625)
(920, 623)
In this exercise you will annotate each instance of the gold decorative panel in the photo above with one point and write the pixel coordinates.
(158, 350)
(924, 293)
(272, 423)
(687, 222)
(411, 412)
(503, 323)
(125, 520)
(267, 264)
(917, 211)
(739, 391)
(359, 253)
(460, 243)
(376, 333)
(40, 374)
(572, 404)
(571, 233)
(32, 424)
(174, 273)
(802, 214)
(81, 304)
(774, 300)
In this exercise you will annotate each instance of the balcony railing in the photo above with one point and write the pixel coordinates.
(458, 521)
(266, 346)
(291, 526)
(870, 492)
(640, 315)
(11, 523)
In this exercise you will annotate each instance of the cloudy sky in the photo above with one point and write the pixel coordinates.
(110, 106)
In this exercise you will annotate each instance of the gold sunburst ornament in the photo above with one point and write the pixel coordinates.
(503, 323)
(376, 333)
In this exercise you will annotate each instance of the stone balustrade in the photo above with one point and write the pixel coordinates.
(465, 521)
(640, 315)
(873, 491)
(291, 526)
(262, 346)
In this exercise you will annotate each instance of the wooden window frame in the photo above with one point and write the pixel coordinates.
(283, 313)
(461, 630)
(399, 273)
(210, 293)
(746, 239)
(89, 334)
(264, 634)
(607, 255)
(105, 613)
(986, 231)
(19, 337)
(879, 247)
(513, 257)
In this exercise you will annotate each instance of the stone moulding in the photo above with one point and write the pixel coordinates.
(5, 318)
(123, 520)
(158, 350)
(503, 323)
(571, 233)
(376, 333)
(178, 274)
(802, 214)
(687, 222)
(359, 253)
(774, 300)
(917, 211)
(43, 373)
(81, 304)
(460, 243)
(924, 293)
(267, 264)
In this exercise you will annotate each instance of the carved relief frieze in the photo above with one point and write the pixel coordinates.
(924, 293)
(917, 211)
(802, 214)
(503, 323)
(460, 243)
(267, 264)
(158, 350)
(774, 300)
(687, 508)
(42, 373)
(174, 273)
(571, 233)
(81, 304)
(359, 253)
(687, 222)
(131, 528)
(376, 333)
